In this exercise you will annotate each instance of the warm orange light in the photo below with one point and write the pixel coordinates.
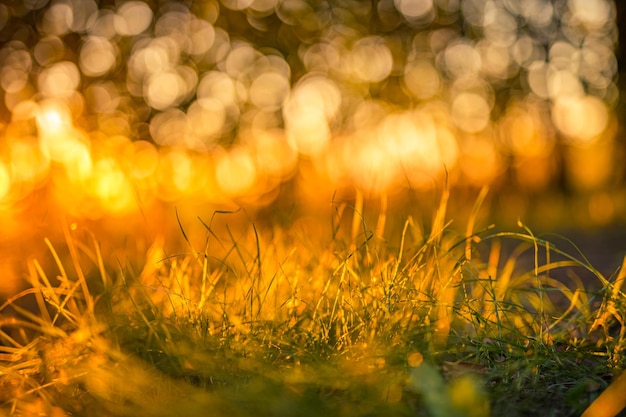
(142, 158)
(582, 119)
(534, 172)
(523, 131)
(480, 163)
(415, 359)
(175, 174)
(236, 172)
(28, 163)
(62, 143)
(5, 181)
(589, 165)
(274, 156)
(53, 118)
(110, 186)
(370, 167)
(402, 148)
(601, 208)
(78, 163)
(308, 132)
(312, 104)
(211, 116)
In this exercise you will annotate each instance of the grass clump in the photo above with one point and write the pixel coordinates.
(295, 321)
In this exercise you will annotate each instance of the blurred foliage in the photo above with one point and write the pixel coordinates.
(111, 108)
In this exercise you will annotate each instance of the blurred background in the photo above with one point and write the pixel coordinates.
(120, 116)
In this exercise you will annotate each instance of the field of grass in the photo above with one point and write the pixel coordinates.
(317, 317)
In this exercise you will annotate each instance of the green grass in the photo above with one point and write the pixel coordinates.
(315, 318)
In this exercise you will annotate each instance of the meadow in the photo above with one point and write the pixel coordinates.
(341, 315)
(198, 215)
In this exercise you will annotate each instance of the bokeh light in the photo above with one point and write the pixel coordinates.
(118, 106)
(97, 56)
(308, 113)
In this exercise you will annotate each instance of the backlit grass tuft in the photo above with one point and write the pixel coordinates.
(300, 320)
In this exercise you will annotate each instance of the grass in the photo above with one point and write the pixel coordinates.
(303, 319)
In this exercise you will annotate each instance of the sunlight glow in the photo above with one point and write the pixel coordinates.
(207, 118)
(28, 163)
(5, 181)
(236, 171)
(236, 183)
(274, 156)
(175, 174)
(53, 119)
(308, 132)
(523, 131)
(368, 166)
(109, 184)
(208, 109)
(313, 103)
(582, 119)
(76, 158)
(141, 161)
(480, 163)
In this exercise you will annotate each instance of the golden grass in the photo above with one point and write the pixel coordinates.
(278, 320)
